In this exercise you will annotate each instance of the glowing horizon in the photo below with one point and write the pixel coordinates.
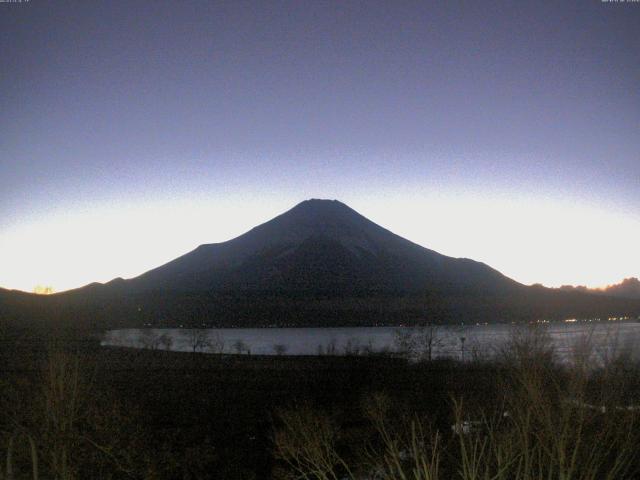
(130, 135)
(547, 242)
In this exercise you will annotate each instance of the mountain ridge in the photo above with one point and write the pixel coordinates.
(320, 263)
(627, 288)
(326, 224)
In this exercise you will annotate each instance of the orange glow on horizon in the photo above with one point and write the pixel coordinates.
(531, 240)
(43, 290)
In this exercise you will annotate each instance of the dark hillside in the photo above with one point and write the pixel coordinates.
(320, 263)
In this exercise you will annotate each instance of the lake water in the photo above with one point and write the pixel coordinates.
(569, 340)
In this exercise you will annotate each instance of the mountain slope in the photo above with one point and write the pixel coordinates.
(628, 288)
(319, 246)
(321, 264)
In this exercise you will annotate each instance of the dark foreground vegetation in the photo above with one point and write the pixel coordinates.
(74, 410)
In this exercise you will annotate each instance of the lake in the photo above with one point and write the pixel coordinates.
(569, 340)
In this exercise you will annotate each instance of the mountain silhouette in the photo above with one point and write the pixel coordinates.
(320, 247)
(322, 264)
(628, 288)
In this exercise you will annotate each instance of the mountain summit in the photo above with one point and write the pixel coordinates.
(320, 247)
(319, 264)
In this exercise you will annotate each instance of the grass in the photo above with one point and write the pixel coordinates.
(80, 411)
(541, 423)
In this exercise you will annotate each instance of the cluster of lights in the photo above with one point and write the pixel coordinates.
(573, 320)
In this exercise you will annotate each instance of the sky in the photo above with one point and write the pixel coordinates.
(133, 131)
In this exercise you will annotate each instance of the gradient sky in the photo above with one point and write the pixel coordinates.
(133, 131)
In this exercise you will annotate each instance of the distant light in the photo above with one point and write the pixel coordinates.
(42, 290)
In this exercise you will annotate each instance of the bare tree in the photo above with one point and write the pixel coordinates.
(405, 342)
(429, 339)
(352, 347)
(216, 343)
(331, 347)
(368, 348)
(149, 339)
(197, 339)
(166, 341)
(460, 334)
(239, 346)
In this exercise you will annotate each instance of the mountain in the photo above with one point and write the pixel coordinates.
(320, 263)
(320, 247)
(628, 288)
